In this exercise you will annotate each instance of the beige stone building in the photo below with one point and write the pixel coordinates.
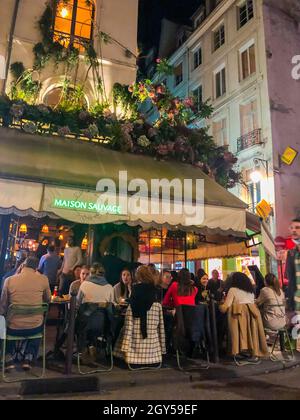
(110, 25)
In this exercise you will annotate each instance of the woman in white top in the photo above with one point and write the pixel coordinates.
(241, 292)
(271, 301)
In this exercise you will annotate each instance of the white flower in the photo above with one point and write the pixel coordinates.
(143, 141)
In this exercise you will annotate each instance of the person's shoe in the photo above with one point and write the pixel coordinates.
(26, 365)
(10, 366)
(254, 361)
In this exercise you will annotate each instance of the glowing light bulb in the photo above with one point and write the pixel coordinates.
(256, 177)
(64, 12)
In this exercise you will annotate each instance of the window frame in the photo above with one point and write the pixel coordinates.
(223, 131)
(178, 82)
(197, 57)
(246, 49)
(72, 37)
(198, 100)
(217, 43)
(223, 82)
(245, 3)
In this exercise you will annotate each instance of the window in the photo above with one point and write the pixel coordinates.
(74, 22)
(54, 97)
(181, 39)
(198, 96)
(220, 81)
(249, 117)
(220, 132)
(245, 13)
(197, 58)
(199, 20)
(178, 71)
(219, 37)
(247, 62)
(254, 196)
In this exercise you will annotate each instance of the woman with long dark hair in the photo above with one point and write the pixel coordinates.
(241, 292)
(271, 301)
(123, 289)
(182, 293)
(142, 340)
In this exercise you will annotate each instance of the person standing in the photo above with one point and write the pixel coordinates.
(293, 268)
(72, 258)
(214, 285)
(50, 265)
(27, 288)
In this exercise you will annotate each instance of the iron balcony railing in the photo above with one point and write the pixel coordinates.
(248, 140)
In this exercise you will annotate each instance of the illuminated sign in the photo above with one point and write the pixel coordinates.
(289, 156)
(86, 206)
(264, 209)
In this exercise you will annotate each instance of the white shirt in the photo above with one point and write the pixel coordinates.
(72, 257)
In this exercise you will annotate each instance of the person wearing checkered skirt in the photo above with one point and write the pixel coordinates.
(142, 340)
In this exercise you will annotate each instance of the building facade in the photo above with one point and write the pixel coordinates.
(238, 55)
(77, 23)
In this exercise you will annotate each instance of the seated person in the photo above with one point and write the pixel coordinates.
(202, 285)
(244, 320)
(94, 300)
(165, 280)
(271, 301)
(83, 275)
(27, 288)
(122, 290)
(142, 340)
(182, 293)
(96, 289)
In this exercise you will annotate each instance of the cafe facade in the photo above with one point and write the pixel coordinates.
(48, 191)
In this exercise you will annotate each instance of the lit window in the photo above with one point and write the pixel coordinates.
(74, 22)
(245, 13)
(220, 132)
(248, 62)
(219, 37)
(56, 96)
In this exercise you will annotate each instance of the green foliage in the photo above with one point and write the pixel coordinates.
(17, 69)
(124, 99)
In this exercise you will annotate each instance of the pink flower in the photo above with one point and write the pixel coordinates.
(163, 150)
(188, 102)
(158, 60)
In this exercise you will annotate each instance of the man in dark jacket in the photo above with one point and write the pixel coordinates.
(292, 267)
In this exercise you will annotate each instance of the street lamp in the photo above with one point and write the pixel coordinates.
(256, 175)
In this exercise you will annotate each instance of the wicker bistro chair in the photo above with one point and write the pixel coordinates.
(103, 337)
(25, 310)
(283, 336)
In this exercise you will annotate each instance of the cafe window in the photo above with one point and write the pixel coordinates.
(55, 96)
(74, 22)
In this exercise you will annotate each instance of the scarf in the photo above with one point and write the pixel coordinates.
(100, 281)
(142, 298)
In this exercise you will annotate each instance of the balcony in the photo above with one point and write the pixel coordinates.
(249, 140)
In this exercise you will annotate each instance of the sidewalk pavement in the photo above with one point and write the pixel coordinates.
(121, 377)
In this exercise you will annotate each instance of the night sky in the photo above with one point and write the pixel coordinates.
(152, 12)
